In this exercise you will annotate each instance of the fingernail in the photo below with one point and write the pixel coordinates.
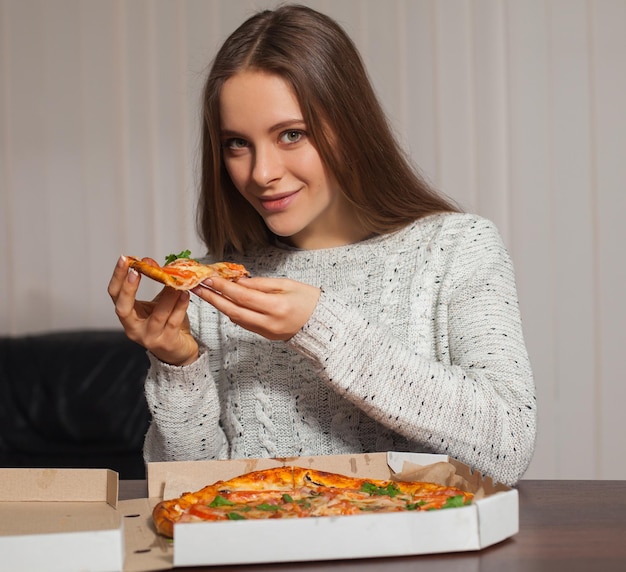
(121, 261)
(133, 276)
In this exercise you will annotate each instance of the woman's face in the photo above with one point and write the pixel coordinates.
(273, 164)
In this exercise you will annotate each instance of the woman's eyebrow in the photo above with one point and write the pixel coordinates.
(286, 124)
(281, 125)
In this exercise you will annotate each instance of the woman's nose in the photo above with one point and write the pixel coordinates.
(268, 165)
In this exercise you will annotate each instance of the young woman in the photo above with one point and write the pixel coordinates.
(378, 317)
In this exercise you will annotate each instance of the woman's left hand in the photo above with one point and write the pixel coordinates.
(275, 308)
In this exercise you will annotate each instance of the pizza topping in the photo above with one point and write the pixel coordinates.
(390, 490)
(171, 257)
(455, 501)
(221, 501)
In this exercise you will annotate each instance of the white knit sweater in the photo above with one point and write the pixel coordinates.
(415, 344)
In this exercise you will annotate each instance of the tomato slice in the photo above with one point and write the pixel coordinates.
(206, 512)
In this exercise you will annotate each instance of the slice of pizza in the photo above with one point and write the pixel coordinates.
(184, 273)
(295, 492)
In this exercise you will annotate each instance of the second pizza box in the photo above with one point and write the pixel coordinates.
(60, 520)
(488, 520)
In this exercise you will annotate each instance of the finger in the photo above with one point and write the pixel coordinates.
(224, 294)
(268, 285)
(218, 299)
(165, 306)
(118, 277)
(178, 315)
(253, 320)
(126, 302)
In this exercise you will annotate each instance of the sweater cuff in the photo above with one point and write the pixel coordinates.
(327, 329)
(170, 388)
(179, 374)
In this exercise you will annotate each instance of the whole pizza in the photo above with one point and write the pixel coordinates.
(295, 492)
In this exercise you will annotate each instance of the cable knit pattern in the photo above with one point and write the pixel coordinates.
(416, 344)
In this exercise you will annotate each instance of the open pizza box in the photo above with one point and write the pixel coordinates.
(60, 520)
(491, 518)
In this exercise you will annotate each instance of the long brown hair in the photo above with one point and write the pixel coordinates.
(344, 120)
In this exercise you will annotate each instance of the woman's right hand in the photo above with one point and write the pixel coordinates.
(161, 326)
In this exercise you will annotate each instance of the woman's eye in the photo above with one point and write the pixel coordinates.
(235, 143)
(292, 136)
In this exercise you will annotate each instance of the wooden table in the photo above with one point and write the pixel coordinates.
(568, 526)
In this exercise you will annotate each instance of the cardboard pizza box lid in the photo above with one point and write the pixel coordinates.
(487, 521)
(60, 519)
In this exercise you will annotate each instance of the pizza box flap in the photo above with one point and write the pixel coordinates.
(60, 519)
(145, 550)
(73, 485)
(171, 479)
(185, 476)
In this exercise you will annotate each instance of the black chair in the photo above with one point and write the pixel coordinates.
(73, 400)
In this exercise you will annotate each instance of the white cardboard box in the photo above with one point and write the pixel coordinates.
(70, 520)
(483, 523)
(60, 520)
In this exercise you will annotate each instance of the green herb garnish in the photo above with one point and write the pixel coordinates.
(220, 501)
(455, 501)
(236, 516)
(171, 257)
(266, 506)
(390, 490)
(287, 498)
(415, 505)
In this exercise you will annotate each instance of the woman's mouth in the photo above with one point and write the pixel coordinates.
(277, 202)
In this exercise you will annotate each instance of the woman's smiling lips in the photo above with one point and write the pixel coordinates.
(277, 202)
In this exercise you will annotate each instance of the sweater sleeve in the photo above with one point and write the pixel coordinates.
(185, 411)
(473, 398)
